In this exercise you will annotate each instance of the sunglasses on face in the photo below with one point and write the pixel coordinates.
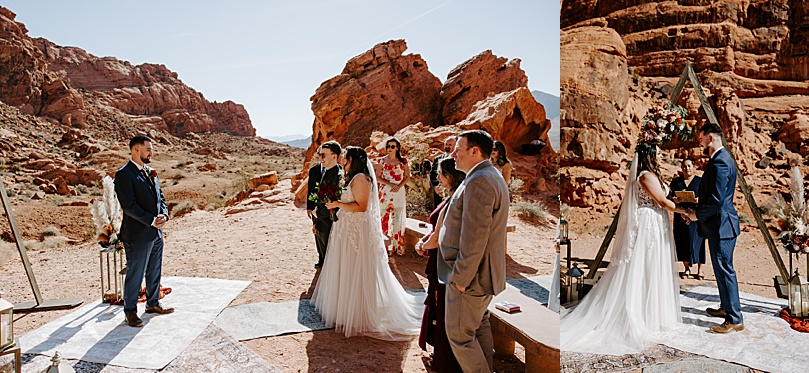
(322, 155)
(390, 147)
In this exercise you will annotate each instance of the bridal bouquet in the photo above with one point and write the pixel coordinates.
(663, 124)
(107, 217)
(793, 217)
(327, 192)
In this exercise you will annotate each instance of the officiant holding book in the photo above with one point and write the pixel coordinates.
(690, 246)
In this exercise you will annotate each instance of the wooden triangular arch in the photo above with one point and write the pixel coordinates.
(689, 75)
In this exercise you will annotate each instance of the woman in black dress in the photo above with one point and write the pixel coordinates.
(690, 246)
(433, 331)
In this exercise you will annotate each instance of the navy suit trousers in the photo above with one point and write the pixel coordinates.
(722, 260)
(143, 258)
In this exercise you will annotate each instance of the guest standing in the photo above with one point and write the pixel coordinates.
(392, 174)
(472, 244)
(449, 146)
(327, 171)
(690, 246)
(500, 160)
(433, 330)
(145, 214)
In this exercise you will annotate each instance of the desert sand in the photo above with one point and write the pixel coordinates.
(273, 247)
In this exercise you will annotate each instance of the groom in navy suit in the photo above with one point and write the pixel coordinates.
(718, 222)
(145, 214)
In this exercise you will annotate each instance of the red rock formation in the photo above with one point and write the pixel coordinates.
(381, 89)
(618, 57)
(476, 79)
(70, 85)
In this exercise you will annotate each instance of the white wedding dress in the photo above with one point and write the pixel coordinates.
(357, 292)
(638, 296)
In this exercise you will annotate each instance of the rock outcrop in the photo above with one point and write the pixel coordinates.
(383, 92)
(381, 89)
(475, 80)
(70, 86)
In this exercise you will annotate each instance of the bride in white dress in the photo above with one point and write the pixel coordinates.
(638, 295)
(357, 292)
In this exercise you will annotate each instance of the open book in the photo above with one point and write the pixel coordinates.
(686, 196)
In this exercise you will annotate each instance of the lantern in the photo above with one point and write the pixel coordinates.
(112, 275)
(798, 296)
(57, 367)
(574, 282)
(563, 238)
(6, 323)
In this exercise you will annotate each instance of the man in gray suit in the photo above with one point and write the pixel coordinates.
(472, 244)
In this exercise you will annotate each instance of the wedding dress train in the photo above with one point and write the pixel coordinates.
(357, 293)
(639, 292)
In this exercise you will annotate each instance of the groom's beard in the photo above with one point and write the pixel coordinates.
(145, 160)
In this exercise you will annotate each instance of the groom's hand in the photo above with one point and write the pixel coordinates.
(459, 287)
(310, 214)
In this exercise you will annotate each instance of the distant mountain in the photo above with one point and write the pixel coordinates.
(549, 101)
(299, 143)
(281, 139)
(551, 104)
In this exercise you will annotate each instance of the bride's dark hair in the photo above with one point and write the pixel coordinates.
(647, 159)
(356, 163)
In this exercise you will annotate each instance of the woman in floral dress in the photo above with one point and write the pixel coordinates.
(392, 173)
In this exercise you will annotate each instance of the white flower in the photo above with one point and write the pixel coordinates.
(661, 123)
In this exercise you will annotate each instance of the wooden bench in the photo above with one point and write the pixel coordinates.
(416, 229)
(536, 328)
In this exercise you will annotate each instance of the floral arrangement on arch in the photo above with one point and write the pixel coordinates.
(107, 217)
(793, 217)
(663, 124)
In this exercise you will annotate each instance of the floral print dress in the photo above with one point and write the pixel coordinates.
(392, 205)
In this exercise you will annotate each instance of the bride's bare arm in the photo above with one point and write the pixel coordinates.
(361, 189)
(650, 183)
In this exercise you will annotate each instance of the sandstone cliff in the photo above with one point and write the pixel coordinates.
(619, 58)
(71, 86)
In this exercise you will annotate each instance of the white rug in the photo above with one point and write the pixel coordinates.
(767, 343)
(97, 332)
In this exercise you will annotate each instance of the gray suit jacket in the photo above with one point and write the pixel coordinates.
(472, 238)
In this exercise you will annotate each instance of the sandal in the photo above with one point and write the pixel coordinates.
(698, 276)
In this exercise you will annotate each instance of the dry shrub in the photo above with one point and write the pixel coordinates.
(532, 212)
(182, 208)
(47, 243)
(50, 232)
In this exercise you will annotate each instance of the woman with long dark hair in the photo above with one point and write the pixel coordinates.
(638, 295)
(433, 331)
(690, 246)
(500, 160)
(356, 292)
(392, 175)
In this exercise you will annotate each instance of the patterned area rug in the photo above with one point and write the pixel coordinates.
(584, 363)
(97, 332)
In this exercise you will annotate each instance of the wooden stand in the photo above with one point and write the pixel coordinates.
(38, 304)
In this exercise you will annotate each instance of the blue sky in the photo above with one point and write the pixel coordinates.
(271, 55)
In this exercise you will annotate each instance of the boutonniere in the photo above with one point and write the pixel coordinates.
(150, 171)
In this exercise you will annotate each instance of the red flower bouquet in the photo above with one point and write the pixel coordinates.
(327, 192)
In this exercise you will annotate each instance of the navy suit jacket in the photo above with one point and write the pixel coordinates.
(141, 204)
(716, 216)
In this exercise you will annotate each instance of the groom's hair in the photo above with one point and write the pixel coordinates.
(138, 140)
(332, 145)
(481, 139)
(711, 129)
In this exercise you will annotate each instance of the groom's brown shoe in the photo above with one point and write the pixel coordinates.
(727, 327)
(716, 312)
(158, 309)
(133, 320)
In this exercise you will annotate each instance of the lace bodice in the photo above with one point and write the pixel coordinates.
(644, 199)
